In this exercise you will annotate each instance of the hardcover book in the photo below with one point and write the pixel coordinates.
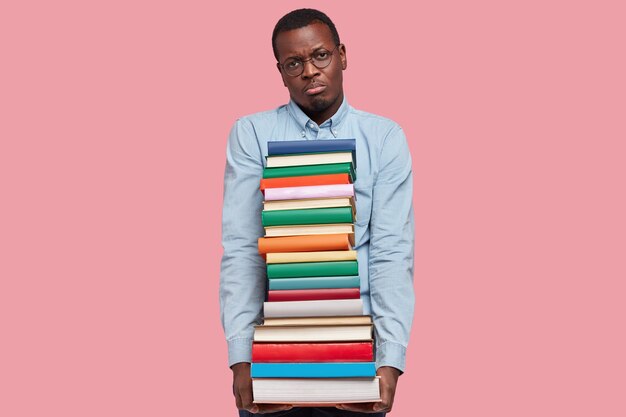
(307, 216)
(304, 181)
(286, 147)
(313, 333)
(321, 256)
(330, 242)
(309, 191)
(314, 282)
(312, 269)
(314, 294)
(313, 370)
(278, 161)
(344, 168)
(313, 352)
(313, 308)
(315, 392)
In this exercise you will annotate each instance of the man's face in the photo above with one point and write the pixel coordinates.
(319, 92)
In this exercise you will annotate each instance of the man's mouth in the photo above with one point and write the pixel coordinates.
(314, 88)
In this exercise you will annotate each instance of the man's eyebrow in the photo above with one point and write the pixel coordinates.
(297, 55)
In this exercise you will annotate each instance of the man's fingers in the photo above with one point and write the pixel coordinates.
(382, 406)
(272, 408)
(246, 398)
(357, 407)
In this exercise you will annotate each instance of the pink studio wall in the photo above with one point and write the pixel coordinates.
(113, 122)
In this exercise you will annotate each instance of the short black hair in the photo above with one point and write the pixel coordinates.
(300, 18)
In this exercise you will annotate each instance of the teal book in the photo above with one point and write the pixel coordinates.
(304, 170)
(314, 370)
(314, 283)
(312, 269)
(307, 216)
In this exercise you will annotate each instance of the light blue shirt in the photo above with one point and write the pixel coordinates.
(384, 231)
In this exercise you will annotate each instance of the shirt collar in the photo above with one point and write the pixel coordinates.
(334, 122)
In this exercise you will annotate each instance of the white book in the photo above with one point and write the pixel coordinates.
(352, 307)
(277, 161)
(317, 321)
(312, 333)
(315, 391)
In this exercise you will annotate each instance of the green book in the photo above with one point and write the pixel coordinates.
(304, 170)
(312, 269)
(314, 283)
(307, 216)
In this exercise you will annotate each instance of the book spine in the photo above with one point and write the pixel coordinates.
(310, 191)
(313, 370)
(322, 256)
(312, 269)
(312, 352)
(314, 308)
(307, 216)
(326, 179)
(314, 294)
(315, 282)
(304, 243)
(306, 146)
(344, 168)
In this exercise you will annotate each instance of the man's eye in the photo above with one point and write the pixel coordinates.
(321, 55)
(292, 64)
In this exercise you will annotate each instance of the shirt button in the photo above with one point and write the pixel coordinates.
(303, 134)
(335, 132)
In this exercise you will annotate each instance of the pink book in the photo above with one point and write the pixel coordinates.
(309, 191)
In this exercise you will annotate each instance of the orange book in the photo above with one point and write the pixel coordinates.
(326, 179)
(307, 243)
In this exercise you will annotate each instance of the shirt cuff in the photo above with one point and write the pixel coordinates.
(391, 354)
(239, 350)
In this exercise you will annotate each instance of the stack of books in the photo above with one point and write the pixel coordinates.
(315, 345)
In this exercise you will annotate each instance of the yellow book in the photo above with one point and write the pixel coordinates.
(277, 161)
(324, 256)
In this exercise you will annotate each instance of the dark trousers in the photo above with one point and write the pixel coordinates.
(311, 412)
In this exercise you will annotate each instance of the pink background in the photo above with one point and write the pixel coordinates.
(113, 122)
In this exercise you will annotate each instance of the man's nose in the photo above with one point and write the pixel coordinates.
(309, 69)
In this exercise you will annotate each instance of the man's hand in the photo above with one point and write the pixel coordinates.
(388, 381)
(242, 388)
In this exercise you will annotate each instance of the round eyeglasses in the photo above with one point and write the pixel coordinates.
(321, 58)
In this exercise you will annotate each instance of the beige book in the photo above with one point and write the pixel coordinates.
(313, 333)
(317, 321)
(311, 229)
(308, 203)
(277, 161)
(323, 256)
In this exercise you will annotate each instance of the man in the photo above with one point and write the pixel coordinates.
(311, 61)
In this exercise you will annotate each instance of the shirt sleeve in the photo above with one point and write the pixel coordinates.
(242, 273)
(391, 252)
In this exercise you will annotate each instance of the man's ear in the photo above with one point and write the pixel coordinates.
(281, 74)
(343, 56)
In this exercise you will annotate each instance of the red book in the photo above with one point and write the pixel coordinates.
(313, 352)
(314, 294)
(326, 179)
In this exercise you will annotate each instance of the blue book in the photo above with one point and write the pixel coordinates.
(314, 283)
(288, 147)
(314, 370)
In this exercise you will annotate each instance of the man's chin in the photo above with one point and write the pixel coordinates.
(317, 104)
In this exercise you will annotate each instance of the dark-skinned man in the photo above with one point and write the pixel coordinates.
(311, 61)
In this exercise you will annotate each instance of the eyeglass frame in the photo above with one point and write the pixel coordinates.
(282, 66)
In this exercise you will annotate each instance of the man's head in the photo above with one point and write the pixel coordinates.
(310, 60)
